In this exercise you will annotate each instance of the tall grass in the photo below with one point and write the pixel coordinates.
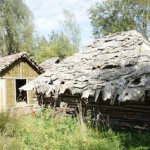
(40, 132)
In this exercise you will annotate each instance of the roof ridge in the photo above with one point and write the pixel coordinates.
(8, 60)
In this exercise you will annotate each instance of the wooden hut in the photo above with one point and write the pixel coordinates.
(110, 77)
(15, 71)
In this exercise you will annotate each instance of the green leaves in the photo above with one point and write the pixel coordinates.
(58, 45)
(71, 30)
(61, 43)
(17, 27)
(120, 15)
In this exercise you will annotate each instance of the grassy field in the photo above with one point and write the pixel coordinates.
(40, 132)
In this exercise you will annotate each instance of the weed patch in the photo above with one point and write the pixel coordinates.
(40, 132)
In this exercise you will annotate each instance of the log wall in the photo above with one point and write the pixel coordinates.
(125, 115)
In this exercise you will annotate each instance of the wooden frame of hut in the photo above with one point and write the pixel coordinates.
(110, 77)
(15, 71)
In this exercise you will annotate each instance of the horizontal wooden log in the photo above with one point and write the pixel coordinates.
(126, 115)
(124, 109)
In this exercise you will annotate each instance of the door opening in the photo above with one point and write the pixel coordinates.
(20, 96)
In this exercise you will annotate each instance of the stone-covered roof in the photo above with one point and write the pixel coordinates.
(117, 65)
(49, 63)
(7, 61)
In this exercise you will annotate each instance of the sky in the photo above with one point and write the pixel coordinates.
(49, 13)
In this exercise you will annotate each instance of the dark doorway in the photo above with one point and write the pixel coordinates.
(20, 96)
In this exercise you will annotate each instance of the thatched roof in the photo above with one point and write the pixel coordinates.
(7, 61)
(116, 65)
(46, 65)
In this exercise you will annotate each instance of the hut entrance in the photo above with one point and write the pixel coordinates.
(20, 96)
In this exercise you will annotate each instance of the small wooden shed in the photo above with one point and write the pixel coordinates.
(15, 71)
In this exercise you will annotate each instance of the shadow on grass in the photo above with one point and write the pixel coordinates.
(135, 140)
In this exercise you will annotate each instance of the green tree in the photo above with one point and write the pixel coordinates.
(16, 27)
(71, 29)
(58, 45)
(120, 15)
(61, 43)
(43, 50)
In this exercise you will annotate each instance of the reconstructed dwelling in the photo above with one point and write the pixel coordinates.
(111, 76)
(15, 71)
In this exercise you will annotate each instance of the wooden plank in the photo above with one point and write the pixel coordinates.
(121, 109)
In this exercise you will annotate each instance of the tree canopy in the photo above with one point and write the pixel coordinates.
(16, 27)
(61, 43)
(17, 33)
(58, 45)
(120, 15)
(71, 29)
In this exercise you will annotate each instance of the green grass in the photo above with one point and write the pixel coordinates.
(135, 140)
(41, 132)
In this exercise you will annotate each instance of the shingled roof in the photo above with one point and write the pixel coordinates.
(117, 65)
(7, 61)
(46, 65)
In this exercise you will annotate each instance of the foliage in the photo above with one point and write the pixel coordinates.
(57, 46)
(61, 133)
(16, 27)
(71, 29)
(61, 43)
(6, 119)
(43, 51)
(120, 15)
(135, 140)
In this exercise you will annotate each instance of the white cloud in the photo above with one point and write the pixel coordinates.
(45, 24)
(48, 15)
